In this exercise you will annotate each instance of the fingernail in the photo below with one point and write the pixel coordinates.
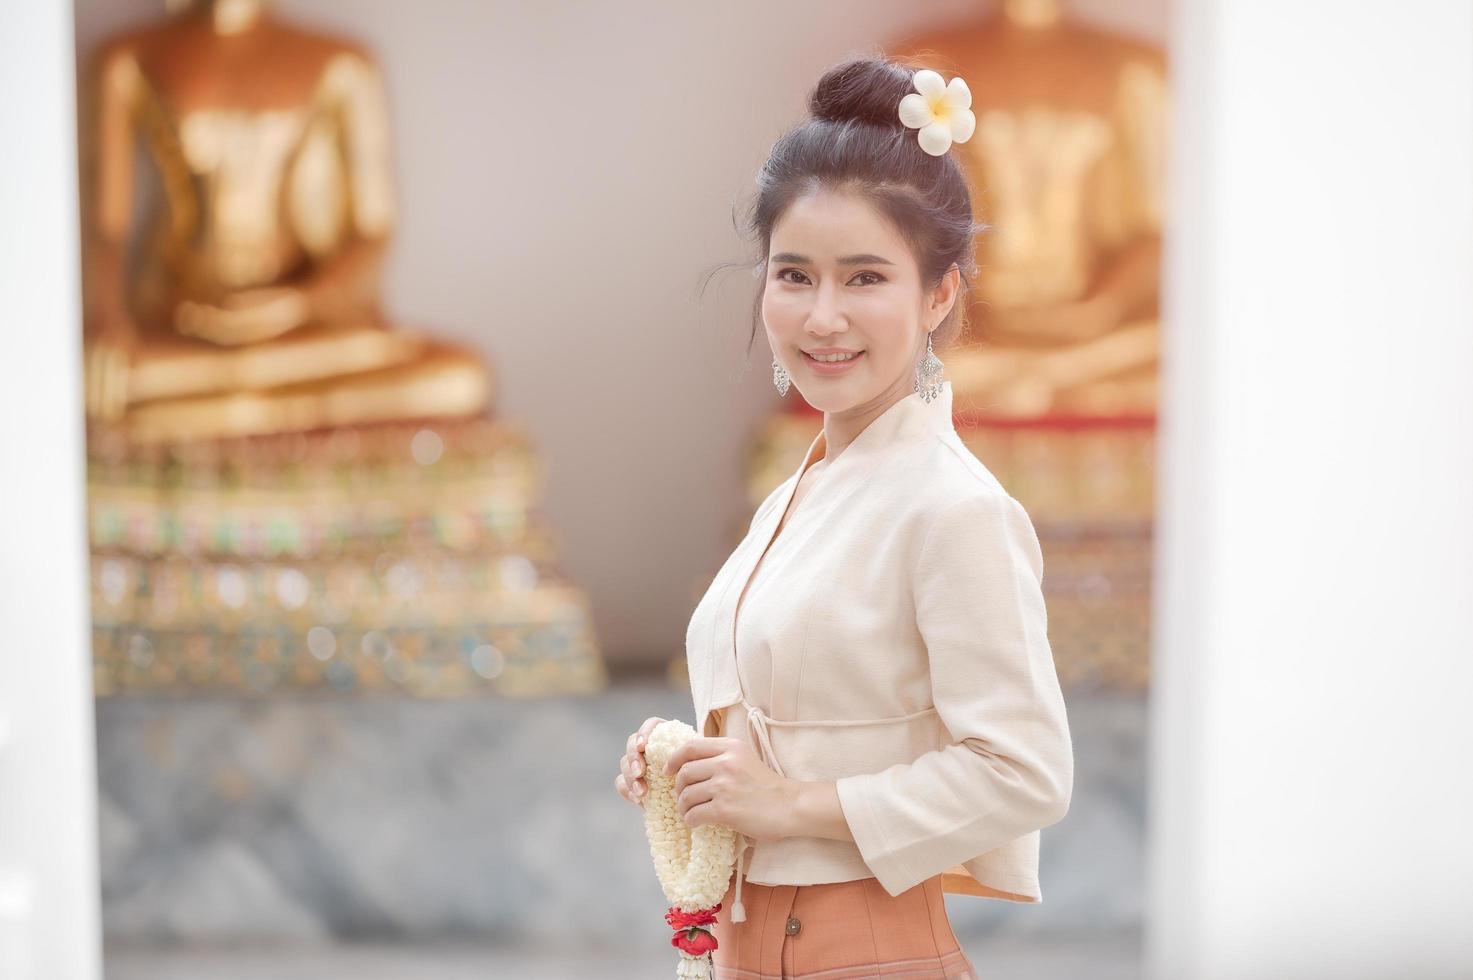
(637, 768)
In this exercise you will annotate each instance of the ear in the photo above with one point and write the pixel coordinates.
(943, 297)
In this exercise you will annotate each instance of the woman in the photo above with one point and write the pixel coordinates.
(883, 721)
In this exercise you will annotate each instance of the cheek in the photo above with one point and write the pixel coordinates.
(782, 313)
(892, 319)
(891, 305)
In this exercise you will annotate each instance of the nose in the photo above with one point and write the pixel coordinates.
(826, 317)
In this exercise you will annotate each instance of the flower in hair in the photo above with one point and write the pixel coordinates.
(940, 110)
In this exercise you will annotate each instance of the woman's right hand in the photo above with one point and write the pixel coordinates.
(631, 781)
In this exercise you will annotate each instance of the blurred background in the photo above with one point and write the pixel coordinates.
(397, 400)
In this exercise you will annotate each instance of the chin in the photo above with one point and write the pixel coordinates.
(831, 398)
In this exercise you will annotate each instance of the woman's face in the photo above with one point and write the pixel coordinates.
(840, 279)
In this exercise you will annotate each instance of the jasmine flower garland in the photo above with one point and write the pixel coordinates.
(693, 864)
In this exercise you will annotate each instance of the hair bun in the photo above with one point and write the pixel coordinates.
(865, 89)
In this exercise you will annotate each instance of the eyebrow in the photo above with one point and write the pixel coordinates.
(843, 259)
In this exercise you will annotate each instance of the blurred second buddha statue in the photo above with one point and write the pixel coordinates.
(251, 303)
(1066, 169)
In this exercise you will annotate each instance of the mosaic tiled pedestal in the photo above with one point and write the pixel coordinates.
(399, 557)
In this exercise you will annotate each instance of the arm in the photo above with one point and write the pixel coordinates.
(814, 810)
(343, 284)
(1009, 769)
(109, 98)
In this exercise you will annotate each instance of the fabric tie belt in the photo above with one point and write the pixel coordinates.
(757, 726)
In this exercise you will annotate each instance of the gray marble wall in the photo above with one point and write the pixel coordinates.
(289, 820)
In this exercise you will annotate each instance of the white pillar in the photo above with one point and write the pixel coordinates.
(1312, 737)
(48, 824)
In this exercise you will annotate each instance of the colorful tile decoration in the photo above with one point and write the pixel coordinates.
(1088, 484)
(396, 557)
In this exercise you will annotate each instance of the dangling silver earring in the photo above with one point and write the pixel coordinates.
(780, 377)
(928, 374)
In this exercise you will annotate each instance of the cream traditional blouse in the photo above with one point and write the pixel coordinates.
(894, 640)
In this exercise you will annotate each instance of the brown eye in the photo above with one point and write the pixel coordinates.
(876, 276)
(784, 272)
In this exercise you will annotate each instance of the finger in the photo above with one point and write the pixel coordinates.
(697, 748)
(633, 766)
(694, 800)
(693, 772)
(642, 736)
(633, 757)
(702, 813)
(676, 760)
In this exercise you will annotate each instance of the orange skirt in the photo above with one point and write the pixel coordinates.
(840, 930)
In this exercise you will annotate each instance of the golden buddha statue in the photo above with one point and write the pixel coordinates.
(252, 305)
(1066, 168)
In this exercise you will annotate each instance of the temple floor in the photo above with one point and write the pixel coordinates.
(248, 837)
(1104, 958)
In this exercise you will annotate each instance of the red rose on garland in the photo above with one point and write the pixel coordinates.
(695, 941)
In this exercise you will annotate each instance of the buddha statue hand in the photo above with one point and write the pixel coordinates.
(107, 354)
(244, 316)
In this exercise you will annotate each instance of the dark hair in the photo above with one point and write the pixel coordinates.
(855, 142)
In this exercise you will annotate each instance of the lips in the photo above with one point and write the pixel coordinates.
(811, 357)
(829, 369)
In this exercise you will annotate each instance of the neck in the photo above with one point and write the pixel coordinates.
(1032, 14)
(226, 17)
(842, 428)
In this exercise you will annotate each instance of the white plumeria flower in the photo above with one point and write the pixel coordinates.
(940, 110)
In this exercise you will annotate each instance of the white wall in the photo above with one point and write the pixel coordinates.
(571, 251)
(1314, 645)
(48, 829)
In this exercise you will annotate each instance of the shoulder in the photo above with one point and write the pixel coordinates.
(117, 59)
(954, 496)
(943, 472)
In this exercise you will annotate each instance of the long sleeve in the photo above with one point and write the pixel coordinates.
(1009, 769)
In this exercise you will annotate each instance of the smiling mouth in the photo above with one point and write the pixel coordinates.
(833, 359)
